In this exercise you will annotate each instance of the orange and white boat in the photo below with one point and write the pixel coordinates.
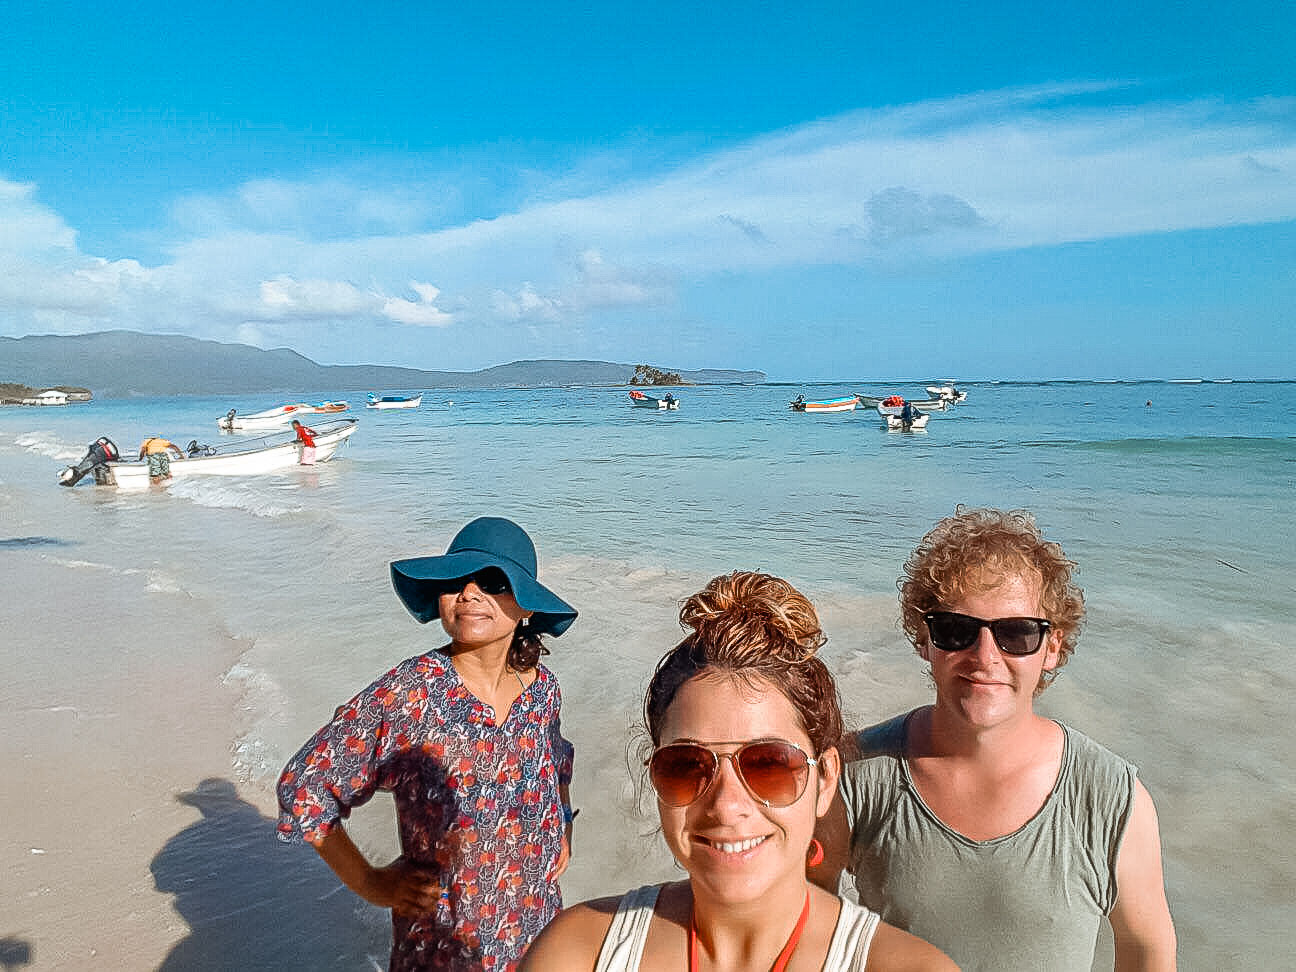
(846, 404)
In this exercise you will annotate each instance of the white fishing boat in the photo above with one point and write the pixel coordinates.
(926, 404)
(895, 423)
(255, 456)
(277, 417)
(667, 402)
(394, 401)
(947, 392)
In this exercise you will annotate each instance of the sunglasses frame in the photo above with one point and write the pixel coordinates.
(1045, 627)
(811, 763)
(456, 585)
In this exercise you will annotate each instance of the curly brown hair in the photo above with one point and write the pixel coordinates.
(975, 550)
(756, 627)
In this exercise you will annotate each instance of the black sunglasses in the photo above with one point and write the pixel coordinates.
(489, 580)
(773, 771)
(951, 631)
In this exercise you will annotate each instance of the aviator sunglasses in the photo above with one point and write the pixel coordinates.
(490, 580)
(773, 771)
(951, 631)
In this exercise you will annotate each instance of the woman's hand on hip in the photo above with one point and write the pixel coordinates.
(404, 887)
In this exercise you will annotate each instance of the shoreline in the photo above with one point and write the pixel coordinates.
(93, 718)
(131, 843)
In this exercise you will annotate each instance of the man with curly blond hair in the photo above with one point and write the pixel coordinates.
(997, 834)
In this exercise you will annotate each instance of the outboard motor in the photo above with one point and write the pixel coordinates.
(227, 423)
(194, 449)
(100, 452)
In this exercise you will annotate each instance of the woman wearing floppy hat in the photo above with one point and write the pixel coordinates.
(467, 739)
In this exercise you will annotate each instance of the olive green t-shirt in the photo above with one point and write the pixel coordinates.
(1028, 901)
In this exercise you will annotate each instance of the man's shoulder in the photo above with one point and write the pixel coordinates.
(1091, 757)
(1096, 783)
(883, 739)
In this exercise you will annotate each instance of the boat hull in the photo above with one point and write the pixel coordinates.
(385, 404)
(276, 418)
(895, 423)
(639, 400)
(946, 392)
(275, 454)
(832, 405)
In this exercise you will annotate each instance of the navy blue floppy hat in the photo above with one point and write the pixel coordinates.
(488, 541)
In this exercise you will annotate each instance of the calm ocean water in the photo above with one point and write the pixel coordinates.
(1175, 499)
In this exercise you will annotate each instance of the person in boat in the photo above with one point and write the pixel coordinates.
(306, 436)
(668, 398)
(157, 451)
(1000, 835)
(908, 414)
(467, 738)
(741, 727)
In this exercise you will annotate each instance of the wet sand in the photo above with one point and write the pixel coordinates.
(126, 844)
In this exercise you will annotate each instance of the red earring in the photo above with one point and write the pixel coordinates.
(816, 853)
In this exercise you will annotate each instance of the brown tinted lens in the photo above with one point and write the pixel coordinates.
(775, 772)
(680, 773)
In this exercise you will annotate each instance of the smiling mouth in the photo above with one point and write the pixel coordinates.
(734, 847)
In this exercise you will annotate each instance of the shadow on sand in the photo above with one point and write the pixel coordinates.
(15, 953)
(252, 902)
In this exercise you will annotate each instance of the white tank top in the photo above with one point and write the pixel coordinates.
(624, 944)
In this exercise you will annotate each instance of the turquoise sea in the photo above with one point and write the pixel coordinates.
(1176, 500)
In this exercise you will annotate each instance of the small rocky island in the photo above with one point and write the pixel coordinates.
(13, 393)
(648, 375)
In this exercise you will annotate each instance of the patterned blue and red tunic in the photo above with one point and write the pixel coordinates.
(476, 799)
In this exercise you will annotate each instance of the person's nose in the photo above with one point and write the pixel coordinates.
(471, 592)
(985, 648)
(727, 793)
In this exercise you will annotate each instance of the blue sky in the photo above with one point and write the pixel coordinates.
(815, 190)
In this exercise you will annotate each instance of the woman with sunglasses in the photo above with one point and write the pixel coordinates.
(467, 739)
(742, 725)
(996, 833)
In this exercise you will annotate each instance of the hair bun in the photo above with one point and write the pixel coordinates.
(754, 614)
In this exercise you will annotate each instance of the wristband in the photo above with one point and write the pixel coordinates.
(568, 814)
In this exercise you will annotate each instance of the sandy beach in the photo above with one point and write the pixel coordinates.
(126, 842)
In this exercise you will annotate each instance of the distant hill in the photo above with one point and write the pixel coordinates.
(125, 364)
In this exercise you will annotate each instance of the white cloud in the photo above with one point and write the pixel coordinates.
(526, 305)
(998, 171)
(422, 312)
(312, 299)
(27, 227)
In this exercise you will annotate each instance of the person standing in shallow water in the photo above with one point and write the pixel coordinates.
(742, 724)
(996, 833)
(306, 436)
(468, 740)
(157, 451)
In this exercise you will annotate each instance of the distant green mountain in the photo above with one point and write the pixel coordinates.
(125, 364)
